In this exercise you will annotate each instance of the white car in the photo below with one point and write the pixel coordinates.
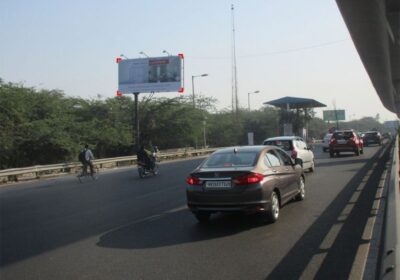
(326, 141)
(295, 147)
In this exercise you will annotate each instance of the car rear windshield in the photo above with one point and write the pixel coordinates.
(240, 159)
(283, 144)
(371, 134)
(343, 135)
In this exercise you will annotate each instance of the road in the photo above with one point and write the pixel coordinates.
(123, 227)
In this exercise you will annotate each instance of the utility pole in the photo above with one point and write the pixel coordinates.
(136, 128)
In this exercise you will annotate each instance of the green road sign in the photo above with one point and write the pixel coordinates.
(334, 115)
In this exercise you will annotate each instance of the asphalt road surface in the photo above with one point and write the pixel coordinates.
(123, 227)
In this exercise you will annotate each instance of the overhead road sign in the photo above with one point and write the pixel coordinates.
(334, 115)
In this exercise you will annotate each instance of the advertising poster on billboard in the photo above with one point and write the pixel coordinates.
(153, 74)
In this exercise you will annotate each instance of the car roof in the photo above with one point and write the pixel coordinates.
(239, 149)
(344, 130)
(284, 138)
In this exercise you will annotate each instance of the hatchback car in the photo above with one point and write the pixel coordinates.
(372, 137)
(296, 148)
(345, 141)
(252, 179)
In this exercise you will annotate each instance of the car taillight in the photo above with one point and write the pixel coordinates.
(250, 178)
(333, 140)
(191, 180)
(294, 154)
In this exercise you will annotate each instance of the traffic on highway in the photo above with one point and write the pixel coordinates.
(200, 140)
(121, 226)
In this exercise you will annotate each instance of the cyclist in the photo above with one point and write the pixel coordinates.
(86, 157)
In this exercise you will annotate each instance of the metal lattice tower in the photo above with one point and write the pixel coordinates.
(235, 100)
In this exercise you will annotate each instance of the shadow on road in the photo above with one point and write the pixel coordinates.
(172, 228)
(337, 161)
(335, 261)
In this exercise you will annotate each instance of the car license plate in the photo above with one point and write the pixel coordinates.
(341, 141)
(218, 184)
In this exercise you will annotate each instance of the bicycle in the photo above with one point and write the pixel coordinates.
(85, 174)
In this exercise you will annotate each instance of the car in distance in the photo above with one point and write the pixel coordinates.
(250, 179)
(295, 147)
(325, 142)
(372, 137)
(345, 141)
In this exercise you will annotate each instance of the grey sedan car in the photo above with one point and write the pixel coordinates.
(245, 179)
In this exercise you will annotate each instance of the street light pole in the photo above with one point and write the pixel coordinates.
(194, 102)
(204, 133)
(193, 94)
(143, 53)
(248, 98)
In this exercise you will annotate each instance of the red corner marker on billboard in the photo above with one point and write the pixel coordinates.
(118, 93)
(181, 55)
(181, 90)
(118, 60)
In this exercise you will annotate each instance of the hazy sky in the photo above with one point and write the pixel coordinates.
(284, 48)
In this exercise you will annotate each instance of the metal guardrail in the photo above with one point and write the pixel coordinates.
(40, 171)
(390, 263)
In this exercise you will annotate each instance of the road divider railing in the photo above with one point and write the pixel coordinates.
(390, 262)
(43, 171)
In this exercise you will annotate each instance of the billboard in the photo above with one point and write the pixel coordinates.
(334, 115)
(151, 74)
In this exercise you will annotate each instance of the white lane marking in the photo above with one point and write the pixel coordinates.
(358, 268)
(355, 197)
(331, 236)
(313, 266)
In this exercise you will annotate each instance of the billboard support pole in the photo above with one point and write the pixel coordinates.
(136, 128)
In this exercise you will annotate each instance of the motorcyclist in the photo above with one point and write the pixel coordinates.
(144, 157)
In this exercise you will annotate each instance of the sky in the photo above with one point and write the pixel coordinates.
(283, 48)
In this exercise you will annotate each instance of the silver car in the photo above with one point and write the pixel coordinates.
(295, 147)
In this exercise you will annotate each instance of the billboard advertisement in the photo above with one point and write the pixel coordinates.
(151, 74)
(334, 115)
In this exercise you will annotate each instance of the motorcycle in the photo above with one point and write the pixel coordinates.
(146, 169)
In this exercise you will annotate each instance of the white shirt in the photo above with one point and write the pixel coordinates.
(89, 155)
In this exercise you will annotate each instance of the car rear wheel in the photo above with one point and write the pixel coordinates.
(273, 211)
(331, 154)
(312, 167)
(302, 190)
(203, 217)
(357, 152)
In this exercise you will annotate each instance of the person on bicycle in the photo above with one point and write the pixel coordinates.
(88, 160)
